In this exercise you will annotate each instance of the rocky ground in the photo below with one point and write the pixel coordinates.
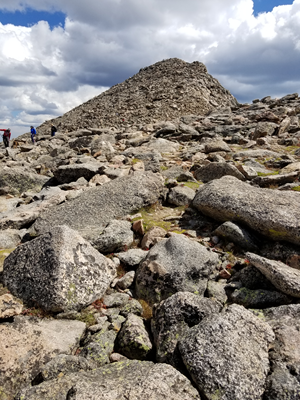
(155, 258)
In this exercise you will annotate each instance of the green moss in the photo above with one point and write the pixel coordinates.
(268, 174)
(163, 168)
(87, 318)
(296, 188)
(277, 234)
(192, 185)
(135, 161)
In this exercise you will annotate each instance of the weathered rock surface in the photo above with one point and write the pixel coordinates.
(283, 382)
(16, 181)
(227, 355)
(216, 170)
(58, 271)
(133, 339)
(117, 381)
(172, 319)
(174, 265)
(272, 213)
(95, 208)
(283, 277)
(27, 343)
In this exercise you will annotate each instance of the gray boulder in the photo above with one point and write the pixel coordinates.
(95, 208)
(115, 237)
(72, 172)
(133, 339)
(122, 380)
(284, 380)
(216, 170)
(259, 298)
(238, 235)
(58, 271)
(28, 343)
(132, 257)
(177, 264)
(181, 195)
(17, 180)
(283, 277)
(227, 355)
(172, 319)
(273, 213)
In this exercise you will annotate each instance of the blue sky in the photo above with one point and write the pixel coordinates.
(57, 54)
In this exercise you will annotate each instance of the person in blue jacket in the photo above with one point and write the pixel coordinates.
(33, 133)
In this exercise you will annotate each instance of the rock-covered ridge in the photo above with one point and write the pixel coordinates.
(162, 91)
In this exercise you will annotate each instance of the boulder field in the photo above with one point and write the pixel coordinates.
(151, 248)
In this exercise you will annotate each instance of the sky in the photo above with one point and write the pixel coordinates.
(57, 54)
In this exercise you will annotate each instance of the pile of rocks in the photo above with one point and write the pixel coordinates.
(158, 262)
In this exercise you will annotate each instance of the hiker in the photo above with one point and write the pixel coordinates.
(33, 133)
(53, 130)
(6, 136)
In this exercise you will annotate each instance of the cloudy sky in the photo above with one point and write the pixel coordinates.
(57, 54)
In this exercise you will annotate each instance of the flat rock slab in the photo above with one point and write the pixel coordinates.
(28, 343)
(283, 277)
(138, 380)
(273, 213)
(58, 271)
(227, 355)
(91, 211)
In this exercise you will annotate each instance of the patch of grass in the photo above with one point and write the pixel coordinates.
(163, 168)
(291, 148)
(296, 188)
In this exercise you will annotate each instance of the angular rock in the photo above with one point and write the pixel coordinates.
(216, 145)
(272, 213)
(237, 234)
(172, 319)
(100, 346)
(70, 173)
(133, 340)
(95, 208)
(132, 257)
(115, 237)
(58, 270)
(259, 298)
(181, 195)
(216, 170)
(227, 355)
(283, 382)
(17, 180)
(9, 306)
(177, 264)
(120, 380)
(27, 343)
(283, 277)
(154, 235)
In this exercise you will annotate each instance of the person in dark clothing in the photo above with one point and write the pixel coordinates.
(53, 130)
(6, 136)
(33, 133)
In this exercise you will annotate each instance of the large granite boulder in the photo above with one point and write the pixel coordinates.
(58, 271)
(28, 343)
(227, 355)
(123, 380)
(177, 264)
(273, 213)
(95, 208)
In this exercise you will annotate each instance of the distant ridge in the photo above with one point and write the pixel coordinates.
(163, 91)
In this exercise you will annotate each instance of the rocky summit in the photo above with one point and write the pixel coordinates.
(151, 248)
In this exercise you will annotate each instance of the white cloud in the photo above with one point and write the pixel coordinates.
(45, 72)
